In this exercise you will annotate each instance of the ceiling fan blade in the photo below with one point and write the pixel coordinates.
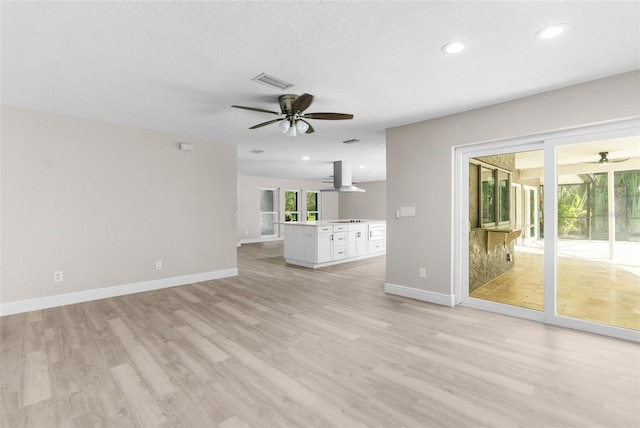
(260, 125)
(310, 129)
(257, 109)
(604, 160)
(302, 103)
(328, 116)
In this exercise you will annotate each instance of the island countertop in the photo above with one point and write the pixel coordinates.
(321, 223)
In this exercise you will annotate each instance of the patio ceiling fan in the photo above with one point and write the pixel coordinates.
(604, 160)
(292, 117)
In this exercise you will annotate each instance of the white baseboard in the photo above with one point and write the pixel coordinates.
(415, 293)
(255, 241)
(106, 292)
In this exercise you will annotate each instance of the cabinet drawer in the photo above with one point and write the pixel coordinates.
(377, 246)
(339, 239)
(324, 229)
(341, 228)
(340, 253)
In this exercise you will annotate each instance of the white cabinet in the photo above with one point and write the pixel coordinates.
(339, 238)
(319, 242)
(339, 243)
(377, 238)
(323, 244)
(324, 248)
(289, 240)
(377, 246)
(357, 240)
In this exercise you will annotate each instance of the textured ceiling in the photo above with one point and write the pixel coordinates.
(178, 66)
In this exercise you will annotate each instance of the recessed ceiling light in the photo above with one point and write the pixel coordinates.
(453, 47)
(362, 166)
(552, 31)
(306, 158)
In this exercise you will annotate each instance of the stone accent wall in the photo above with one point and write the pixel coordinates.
(507, 161)
(483, 266)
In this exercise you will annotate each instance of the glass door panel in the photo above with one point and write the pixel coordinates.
(505, 253)
(598, 236)
(268, 213)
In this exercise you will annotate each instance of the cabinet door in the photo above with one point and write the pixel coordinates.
(356, 243)
(288, 242)
(324, 247)
(298, 243)
(351, 243)
(361, 243)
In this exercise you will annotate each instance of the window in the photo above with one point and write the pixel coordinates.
(291, 209)
(487, 198)
(494, 196)
(313, 210)
(268, 213)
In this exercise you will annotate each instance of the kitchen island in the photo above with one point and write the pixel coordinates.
(316, 244)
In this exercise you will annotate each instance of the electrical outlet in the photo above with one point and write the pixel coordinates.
(158, 264)
(423, 272)
(57, 276)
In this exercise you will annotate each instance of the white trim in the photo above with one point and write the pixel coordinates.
(424, 295)
(257, 240)
(106, 292)
(504, 309)
(593, 327)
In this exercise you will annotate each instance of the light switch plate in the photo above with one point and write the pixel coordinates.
(407, 211)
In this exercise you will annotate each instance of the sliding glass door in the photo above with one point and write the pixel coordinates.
(568, 252)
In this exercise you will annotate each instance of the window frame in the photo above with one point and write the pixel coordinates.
(497, 204)
(297, 211)
(306, 201)
(272, 214)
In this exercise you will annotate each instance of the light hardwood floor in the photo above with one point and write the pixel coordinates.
(282, 346)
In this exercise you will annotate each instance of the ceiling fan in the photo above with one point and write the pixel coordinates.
(292, 117)
(605, 161)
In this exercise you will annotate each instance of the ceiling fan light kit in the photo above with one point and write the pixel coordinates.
(293, 120)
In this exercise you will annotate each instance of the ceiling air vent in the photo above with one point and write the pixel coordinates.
(256, 151)
(351, 141)
(274, 82)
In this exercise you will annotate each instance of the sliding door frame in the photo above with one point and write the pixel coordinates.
(461, 228)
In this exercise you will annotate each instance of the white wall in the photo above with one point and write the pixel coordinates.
(248, 227)
(420, 171)
(103, 202)
(372, 204)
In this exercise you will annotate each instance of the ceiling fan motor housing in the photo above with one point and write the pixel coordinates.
(286, 103)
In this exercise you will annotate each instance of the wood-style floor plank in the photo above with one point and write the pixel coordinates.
(284, 346)
(36, 385)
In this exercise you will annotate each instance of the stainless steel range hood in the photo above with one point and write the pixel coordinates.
(342, 179)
